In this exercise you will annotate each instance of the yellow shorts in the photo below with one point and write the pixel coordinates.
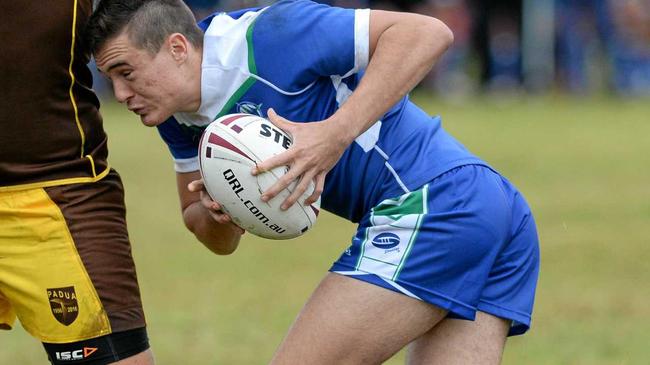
(66, 269)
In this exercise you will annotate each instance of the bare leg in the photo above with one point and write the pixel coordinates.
(455, 341)
(348, 321)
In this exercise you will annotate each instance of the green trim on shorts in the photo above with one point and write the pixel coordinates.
(423, 204)
(388, 213)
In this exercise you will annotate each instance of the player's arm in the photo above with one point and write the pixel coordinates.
(203, 218)
(403, 47)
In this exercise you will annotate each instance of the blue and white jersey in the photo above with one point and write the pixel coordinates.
(304, 60)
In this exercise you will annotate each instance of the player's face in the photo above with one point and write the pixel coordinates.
(148, 84)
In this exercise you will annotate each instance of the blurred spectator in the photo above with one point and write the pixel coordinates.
(497, 37)
(452, 76)
(587, 29)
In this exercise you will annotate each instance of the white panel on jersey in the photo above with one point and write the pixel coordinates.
(224, 67)
(367, 139)
(343, 92)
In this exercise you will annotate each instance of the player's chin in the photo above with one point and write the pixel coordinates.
(152, 119)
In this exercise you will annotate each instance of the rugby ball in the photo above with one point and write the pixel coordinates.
(229, 148)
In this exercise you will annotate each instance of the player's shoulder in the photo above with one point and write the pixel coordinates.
(292, 6)
(297, 23)
(287, 12)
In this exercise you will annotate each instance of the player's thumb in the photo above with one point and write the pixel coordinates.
(196, 185)
(278, 121)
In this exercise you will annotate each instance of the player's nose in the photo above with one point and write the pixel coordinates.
(122, 91)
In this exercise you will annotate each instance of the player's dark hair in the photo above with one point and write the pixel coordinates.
(147, 22)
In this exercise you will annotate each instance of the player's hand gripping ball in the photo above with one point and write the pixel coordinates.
(230, 147)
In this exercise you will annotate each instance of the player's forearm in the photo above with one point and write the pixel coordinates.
(404, 54)
(221, 239)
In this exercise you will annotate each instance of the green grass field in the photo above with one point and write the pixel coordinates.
(582, 164)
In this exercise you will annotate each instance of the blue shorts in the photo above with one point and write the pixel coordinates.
(466, 241)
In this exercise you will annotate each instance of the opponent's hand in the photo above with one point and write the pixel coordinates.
(213, 208)
(316, 148)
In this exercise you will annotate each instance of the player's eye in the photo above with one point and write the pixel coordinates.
(127, 75)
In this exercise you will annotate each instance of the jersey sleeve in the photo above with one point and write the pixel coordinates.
(183, 143)
(303, 40)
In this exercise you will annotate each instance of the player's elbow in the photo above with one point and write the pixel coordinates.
(222, 242)
(222, 247)
(440, 36)
(221, 239)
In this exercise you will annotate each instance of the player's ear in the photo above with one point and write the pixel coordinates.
(178, 46)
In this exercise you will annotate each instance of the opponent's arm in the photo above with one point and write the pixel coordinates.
(203, 217)
(403, 48)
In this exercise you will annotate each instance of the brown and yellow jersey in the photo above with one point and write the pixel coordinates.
(50, 129)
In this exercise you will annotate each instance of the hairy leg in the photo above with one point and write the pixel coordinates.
(455, 341)
(348, 321)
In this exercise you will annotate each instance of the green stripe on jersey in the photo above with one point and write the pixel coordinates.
(235, 97)
(252, 67)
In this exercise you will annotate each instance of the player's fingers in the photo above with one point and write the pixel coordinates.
(282, 159)
(196, 185)
(297, 192)
(282, 183)
(220, 218)
(318, 190)
(238, 228)
(280, 122)
(208, 203)
(215, 206)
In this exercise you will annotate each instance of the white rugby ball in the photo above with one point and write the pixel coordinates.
(229, 148)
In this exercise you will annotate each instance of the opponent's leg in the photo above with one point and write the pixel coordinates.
(456, 341)
(348, 321)
(126, 348)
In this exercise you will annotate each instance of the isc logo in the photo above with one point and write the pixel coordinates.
(75, 355)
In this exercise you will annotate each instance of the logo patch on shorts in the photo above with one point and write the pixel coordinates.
(63, 302)
(75, 355)
(386, 241)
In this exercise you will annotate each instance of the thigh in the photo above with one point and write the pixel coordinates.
(43, 280)
(437, 244)
(457, 341)
(349, 321)
(95, 215)
(66, 262)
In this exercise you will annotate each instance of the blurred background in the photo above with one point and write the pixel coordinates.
(512, 46)
(553, 94)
